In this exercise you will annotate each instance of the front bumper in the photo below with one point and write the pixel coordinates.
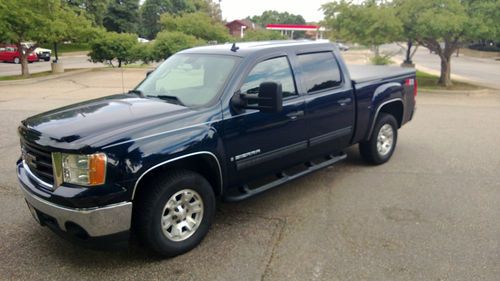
(95, 222)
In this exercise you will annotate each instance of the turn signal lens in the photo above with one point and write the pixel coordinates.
(97, 169)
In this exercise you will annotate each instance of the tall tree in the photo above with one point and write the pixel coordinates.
(94, 10)
(122, 16)
(271, 16)
(444, 25)
(371, 23)
(199, 25)
(39, 21)
(151, 10)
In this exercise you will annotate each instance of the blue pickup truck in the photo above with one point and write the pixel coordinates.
(226, 121)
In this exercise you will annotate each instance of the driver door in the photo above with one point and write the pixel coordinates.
(259, 143)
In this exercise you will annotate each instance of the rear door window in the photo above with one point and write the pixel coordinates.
(320, 71)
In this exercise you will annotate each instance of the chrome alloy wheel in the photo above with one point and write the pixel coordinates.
(182, 215)
(385, 140)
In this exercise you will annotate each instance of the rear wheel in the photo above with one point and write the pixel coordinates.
(173, 215)
(380, 147)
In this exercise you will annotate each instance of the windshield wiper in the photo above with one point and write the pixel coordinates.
(137, 92)
(172, 99)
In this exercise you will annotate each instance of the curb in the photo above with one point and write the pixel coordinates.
(477, 93)
(75, 54)
(45, 78)
(70, 73)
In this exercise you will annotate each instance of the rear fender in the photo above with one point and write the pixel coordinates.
(385, 95)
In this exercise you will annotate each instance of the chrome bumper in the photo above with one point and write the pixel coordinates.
(99, 221)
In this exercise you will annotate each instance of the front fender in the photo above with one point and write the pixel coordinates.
(136, 158)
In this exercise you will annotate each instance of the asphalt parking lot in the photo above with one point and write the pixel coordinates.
(431, 213)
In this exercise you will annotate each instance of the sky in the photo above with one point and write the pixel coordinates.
(239, 9)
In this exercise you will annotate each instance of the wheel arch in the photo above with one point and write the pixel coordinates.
(203, 162)
(395, 107)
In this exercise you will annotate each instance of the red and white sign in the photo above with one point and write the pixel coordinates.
(296, 27)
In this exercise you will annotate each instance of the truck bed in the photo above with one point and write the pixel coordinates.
(366, 73)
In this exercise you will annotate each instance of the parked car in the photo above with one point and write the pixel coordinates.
(11, 54)
(343, 47)
(42, 53)
(215, 121)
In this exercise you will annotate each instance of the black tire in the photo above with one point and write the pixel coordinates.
(368, 149)
(46, 59)
(17, 60)
(149, 209)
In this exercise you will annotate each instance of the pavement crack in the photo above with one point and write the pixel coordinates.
(261, 216)
(278, 233)
(276, 237)
(78, 83)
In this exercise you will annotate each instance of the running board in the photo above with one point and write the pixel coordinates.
(282, 177)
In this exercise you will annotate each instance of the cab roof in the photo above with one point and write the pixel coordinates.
(245, 49)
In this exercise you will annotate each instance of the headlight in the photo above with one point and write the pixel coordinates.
(87, 170)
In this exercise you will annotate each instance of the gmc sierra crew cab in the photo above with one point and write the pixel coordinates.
(227, 121)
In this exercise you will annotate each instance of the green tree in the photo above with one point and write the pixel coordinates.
(168, 43)
(151, 10)
(443, 26)
(370, 23)
(38, 21)
(94, 10)
(199, 25)
(122, 16)
(210, 7)
(110, 46)
(270, 17)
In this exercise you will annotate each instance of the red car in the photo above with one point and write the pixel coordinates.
(11, 54)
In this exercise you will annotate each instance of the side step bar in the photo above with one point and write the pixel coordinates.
(245, 191)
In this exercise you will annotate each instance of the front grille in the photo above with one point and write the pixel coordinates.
(39, 161)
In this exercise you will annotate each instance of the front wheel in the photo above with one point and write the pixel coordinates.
(16, 60)
(380, 147)
(173, 214)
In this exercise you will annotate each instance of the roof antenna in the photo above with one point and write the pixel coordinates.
(234, 48)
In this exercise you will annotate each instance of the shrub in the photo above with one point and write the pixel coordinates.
(109, 46)
(262, 35)
(169, 43)
(144, 52)
(381, 60)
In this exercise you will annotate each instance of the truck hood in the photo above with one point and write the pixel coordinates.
(103, 121)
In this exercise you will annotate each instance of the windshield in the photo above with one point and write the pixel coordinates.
(189, 79)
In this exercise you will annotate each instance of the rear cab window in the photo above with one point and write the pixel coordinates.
(320, 71)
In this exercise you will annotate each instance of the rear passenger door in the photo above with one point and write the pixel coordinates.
(329, 102)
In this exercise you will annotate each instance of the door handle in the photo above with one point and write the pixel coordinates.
(295, 115)
(345, 101)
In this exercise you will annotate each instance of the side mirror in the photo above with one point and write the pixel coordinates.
(269, 99)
